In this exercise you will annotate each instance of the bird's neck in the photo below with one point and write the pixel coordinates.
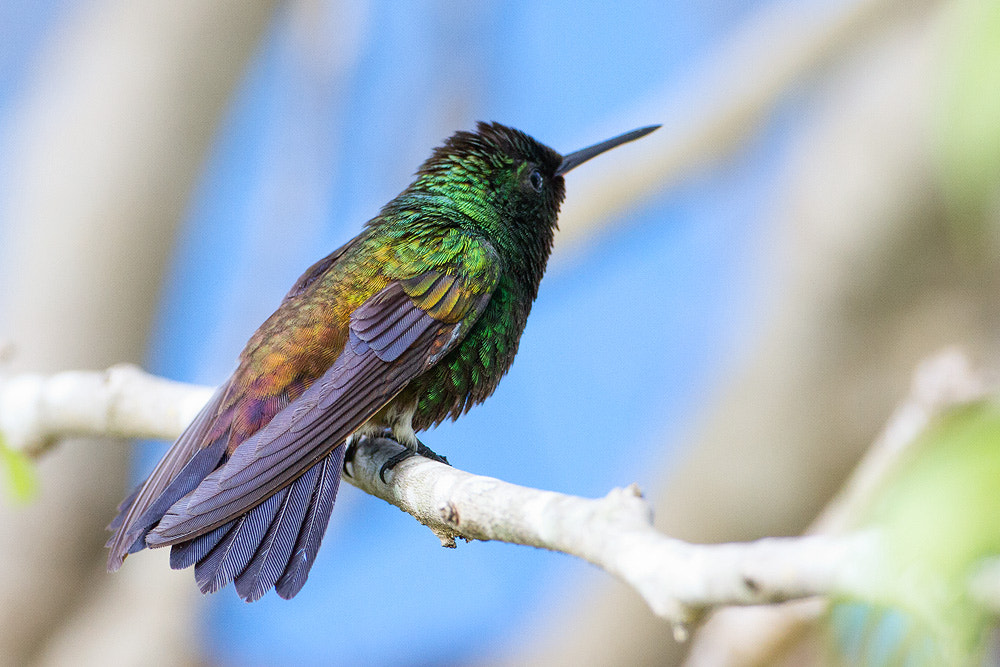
(523, 243)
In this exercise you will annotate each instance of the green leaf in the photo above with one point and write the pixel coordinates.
(21, 481)
(939, 515)
(968, 106)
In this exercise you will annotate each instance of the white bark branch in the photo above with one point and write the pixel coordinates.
(123, 401)
(678, 580)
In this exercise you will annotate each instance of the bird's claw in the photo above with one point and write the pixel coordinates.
(428, 453)
(422, 450)
(394, 461)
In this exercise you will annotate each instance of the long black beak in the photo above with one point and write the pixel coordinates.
(577, 158)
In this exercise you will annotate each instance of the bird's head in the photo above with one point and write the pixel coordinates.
(503, 182)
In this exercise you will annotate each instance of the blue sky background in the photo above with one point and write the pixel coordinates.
(626, 339)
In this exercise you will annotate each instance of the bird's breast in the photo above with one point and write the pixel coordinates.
(470, 373)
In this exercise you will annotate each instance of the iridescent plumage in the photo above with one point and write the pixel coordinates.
(413, 321)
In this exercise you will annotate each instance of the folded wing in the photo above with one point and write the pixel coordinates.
(257, 516)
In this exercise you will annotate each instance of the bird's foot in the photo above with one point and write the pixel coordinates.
(422, 450)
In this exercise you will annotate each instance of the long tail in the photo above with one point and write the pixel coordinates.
(272, 545)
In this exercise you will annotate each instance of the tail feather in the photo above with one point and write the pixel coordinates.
(274, 544)
(271, 558)
(123, 508)
(232, 554)
(313, 526)
(188, 553)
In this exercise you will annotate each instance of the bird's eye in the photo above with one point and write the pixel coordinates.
(536, 180)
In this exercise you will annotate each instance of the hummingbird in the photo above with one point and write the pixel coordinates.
(411, 322)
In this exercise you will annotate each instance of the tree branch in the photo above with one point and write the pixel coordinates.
(678, 580)
(741, 636)
(123, 401)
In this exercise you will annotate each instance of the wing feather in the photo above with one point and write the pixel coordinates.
(175, 475)
(295, 440)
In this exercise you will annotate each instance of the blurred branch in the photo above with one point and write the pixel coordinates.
(940, 382)
(720, 106)
(105, 136)
(754, 636)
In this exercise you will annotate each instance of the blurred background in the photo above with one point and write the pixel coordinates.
(734, 305)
